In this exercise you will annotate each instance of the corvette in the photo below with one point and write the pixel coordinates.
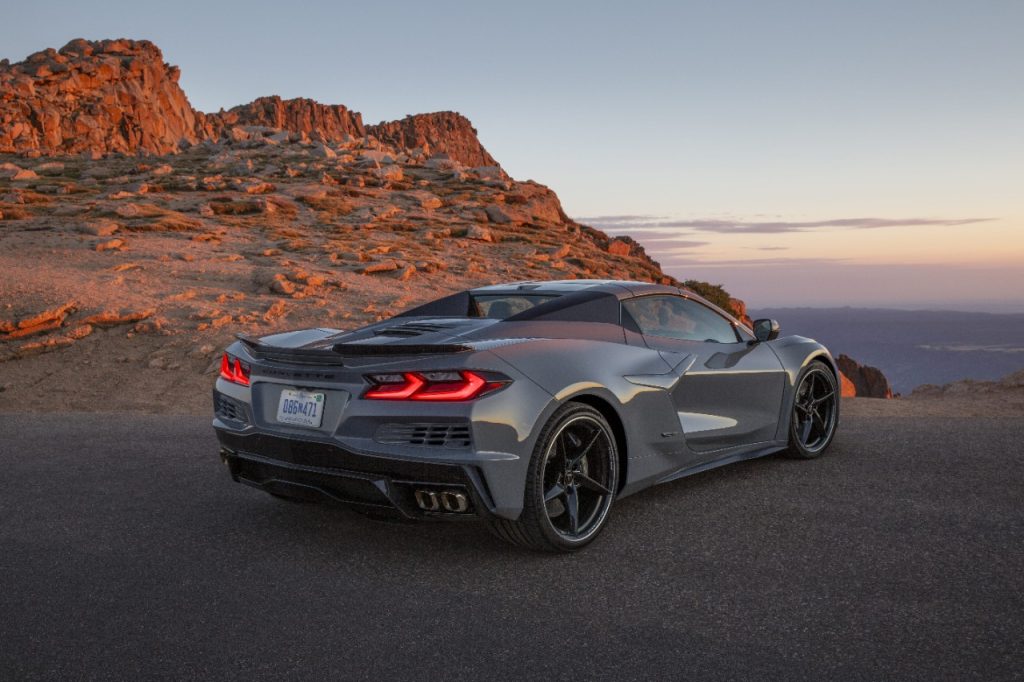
(533, 406)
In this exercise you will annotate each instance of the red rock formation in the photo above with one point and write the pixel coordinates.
(109, 96)
(444, 132)
(739, 310)
(868, 382)
(323, 122)
(846, 387)
(97, 97)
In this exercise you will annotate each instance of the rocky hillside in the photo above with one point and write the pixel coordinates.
(139, 234)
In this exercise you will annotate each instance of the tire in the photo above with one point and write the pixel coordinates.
(814, 416)
(575, 465)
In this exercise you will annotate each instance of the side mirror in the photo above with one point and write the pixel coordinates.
(766, 330)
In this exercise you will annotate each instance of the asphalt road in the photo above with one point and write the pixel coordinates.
(126, 552)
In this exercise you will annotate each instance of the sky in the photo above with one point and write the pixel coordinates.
(817, 153)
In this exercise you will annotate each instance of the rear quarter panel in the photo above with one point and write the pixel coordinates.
(568, 369)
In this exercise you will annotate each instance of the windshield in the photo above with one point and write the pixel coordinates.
(503, 306)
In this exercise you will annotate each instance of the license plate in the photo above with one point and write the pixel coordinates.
(301, 408)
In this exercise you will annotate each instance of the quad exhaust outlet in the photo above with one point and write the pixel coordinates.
(441, 500)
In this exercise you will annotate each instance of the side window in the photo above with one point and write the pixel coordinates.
(679, 318)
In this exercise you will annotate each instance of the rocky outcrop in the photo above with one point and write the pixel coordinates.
(95, 97)
(846, 387)
(119, 96)
(322, 122)
(443, 132)
(867, 382)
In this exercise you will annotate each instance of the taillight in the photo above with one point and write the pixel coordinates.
(445, 386)
(234, 370)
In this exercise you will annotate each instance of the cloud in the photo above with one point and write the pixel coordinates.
(612, 219)
(673, 242)
(753, 263)
(639, 224)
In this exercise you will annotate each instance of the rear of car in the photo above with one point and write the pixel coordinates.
(396, 423)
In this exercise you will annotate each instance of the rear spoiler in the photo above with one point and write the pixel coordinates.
(332, 354)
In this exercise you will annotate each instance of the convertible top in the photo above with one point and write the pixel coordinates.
(572, 300)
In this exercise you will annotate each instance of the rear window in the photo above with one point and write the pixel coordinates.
(503, 306)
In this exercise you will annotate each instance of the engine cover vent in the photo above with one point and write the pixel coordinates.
(412, 329)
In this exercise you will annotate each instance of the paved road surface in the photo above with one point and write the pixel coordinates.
(126, 552)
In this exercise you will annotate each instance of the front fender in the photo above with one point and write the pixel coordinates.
(795, 353)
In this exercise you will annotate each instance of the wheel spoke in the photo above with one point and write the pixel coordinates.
(583, 453)
(819, 423)
(805, 430)
(824, 397)
(560, 448)
(590, 484)
(572, 504)
(556, 491)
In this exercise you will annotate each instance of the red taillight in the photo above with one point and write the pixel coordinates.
(404, 386)
(433, 386)
(465, 389)
(234, 370)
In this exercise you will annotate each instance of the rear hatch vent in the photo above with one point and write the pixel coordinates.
(429, 435)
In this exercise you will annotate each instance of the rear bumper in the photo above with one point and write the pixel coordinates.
(327, 472)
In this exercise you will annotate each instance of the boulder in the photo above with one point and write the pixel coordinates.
(868, 382)
(480, 233)
(496, 215)
(99, 228)
(618, 247)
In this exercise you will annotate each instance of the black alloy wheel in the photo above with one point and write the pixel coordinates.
(571, 484)
(815, 412)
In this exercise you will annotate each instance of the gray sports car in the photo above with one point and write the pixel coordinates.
(532, 405)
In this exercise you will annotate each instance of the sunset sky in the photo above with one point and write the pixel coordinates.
(800, 153)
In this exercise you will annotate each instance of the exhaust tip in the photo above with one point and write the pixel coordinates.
(451, 501)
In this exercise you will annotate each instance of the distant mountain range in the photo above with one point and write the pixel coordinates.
(914, 347)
